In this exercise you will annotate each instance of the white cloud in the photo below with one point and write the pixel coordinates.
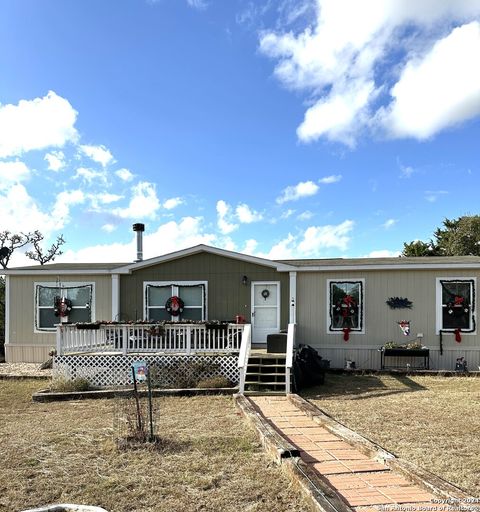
(440, 89)
(36, 124)
(334, 178)
(306, 215)
(286, 214)
(143, 204)
(432, 195)
(284, 249)
(55, 160)
(168, 237)
(389, 223)
(124, 174)
(20, 212)
(250, 246)
(90, 175)
(103, 198)
(383, 253)
(198, 4)
(406, 171)
(99, 154)
(109, 228)
(246, 215)
(61, 209)
(295, 192)
(312, 242)
(13, 172)
(223, 218)
(338, 115)
(340, 61)
(317, 238)
(172, 203)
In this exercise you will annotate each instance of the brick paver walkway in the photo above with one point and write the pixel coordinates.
(361, 481)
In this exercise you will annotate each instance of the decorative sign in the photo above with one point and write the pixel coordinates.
(399, 303)
(140, 368)
(405, 326)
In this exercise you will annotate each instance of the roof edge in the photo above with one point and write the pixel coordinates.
(127, 269)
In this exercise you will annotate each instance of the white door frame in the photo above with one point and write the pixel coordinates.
(252, 309)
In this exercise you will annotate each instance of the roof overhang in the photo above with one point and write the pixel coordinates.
(386, 266)
(55, 272)
(128, 269)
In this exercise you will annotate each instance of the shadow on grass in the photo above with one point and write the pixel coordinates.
(360, 387)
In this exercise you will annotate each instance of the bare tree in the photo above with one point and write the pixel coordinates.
(38, 254)
(8, 243)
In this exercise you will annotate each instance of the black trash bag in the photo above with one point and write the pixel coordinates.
(308, 368)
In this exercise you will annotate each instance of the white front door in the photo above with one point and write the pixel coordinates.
(265, 309)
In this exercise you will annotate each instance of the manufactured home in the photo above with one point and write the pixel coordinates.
(347, 309)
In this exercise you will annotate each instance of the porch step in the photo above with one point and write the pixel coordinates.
(266, 374)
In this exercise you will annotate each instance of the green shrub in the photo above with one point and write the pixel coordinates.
(215, 382)
(64, 385)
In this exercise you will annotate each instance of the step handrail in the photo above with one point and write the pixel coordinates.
(289, 355)
(244, 355)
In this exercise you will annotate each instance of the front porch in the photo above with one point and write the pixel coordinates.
(144, 338)
(104, 352)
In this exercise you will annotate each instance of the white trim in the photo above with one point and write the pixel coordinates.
(7, 310)
(115, 297)
(252, 303)
(66, 284)
(56, 272)
(363, 316)
(381, 266)
(293, 298)
(438, 304)
(127, 269)
(174, 283)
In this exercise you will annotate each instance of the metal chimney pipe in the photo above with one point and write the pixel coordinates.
(139, 229)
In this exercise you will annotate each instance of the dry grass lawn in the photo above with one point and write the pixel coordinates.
(65, 452)
(432, 421)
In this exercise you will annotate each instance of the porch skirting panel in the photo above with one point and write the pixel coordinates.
(369, 359)
(168, 370)
(26, 353)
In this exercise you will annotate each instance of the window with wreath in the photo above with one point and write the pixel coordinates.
(345, 305)
(175, 301)
(80, 297)
(456, 304)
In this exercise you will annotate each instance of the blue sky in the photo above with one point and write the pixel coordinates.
(306, 128)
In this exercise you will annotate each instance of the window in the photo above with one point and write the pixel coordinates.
(456, 304)
(80, 294)
(345, 305)
(192, 293)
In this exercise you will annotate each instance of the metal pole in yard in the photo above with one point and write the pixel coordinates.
(139, 414)
(150, 407)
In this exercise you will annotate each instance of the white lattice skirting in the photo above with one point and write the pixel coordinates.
(116, 369)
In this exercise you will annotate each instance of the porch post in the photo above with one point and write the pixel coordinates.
(115, 297)
(7, 311)
(293, 298)
(59, 336)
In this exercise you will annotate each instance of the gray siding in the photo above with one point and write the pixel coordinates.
(380, 321)
(227, 296)
(24, 343)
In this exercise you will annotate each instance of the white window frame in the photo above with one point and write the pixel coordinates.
(53, 284)
(439, 305)
(336, 331)
(174, 286)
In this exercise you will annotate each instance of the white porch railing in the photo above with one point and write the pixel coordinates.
(289, 356)
(244, 355)
(125, 338)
